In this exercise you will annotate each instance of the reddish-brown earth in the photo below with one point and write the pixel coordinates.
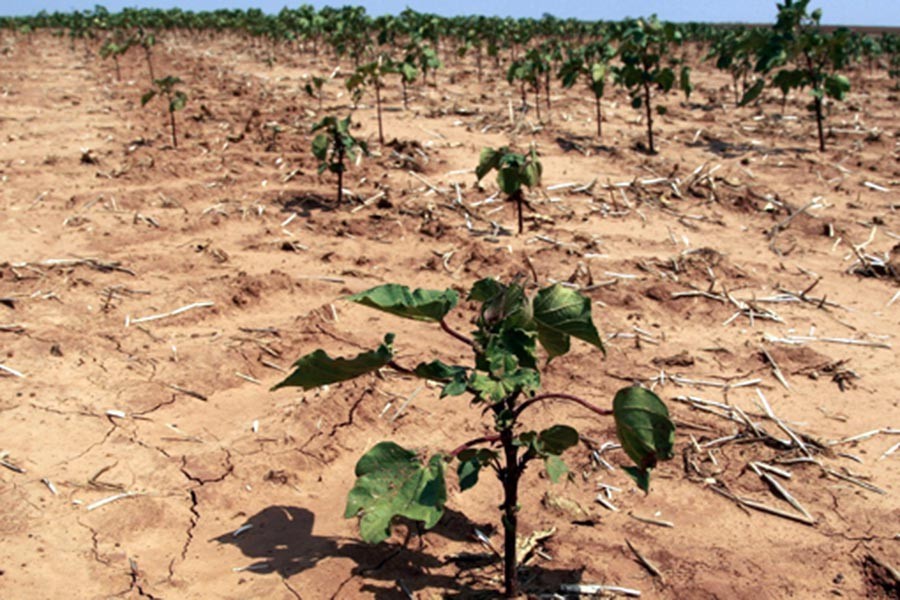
(92, 241)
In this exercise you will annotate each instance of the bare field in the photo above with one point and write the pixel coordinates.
(137, 450)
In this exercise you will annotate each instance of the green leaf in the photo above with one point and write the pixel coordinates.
(837, 86)
(640, 476)
(456, 378)
(408, 72)
(661, 110)
(531, 174)
(485, 289)
(637, 102)
(147, 97)
(643, 427)
(320, 146)
(556, 467)
(494, 389)
(665, 79)
(684, 81)
(488, 160)
(317, 369)
(753, 92)
(178, 101)
(560, 312)
(598, 73)
(556, 440)
(421, 305)
(508, 180)
(471, 462)
(392, 482)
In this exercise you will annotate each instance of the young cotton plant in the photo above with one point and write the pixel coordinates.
(503, 381)
(175, 98)
(313, 89)
(645, 49)
(514, 172)
(805, 56)
(334, 146)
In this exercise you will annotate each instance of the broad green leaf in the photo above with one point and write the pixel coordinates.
(753, 92)
(456, 378)
(556, 467)
(320, 146)
(495, 389)
(598, 73)
(684, 81)
(147, 97)
(317, 369)
(531, 174)
(509, 180)
(392, 482)
(643, 427)
(665, 79)
(179, 99)
(485, 289)
(408, 72)
(837, 86)
(471, 462)
(637, 102)
(507, 306)
(488, 160)
(556, 440)
(421, 305)
(640, 476)
(560, 312)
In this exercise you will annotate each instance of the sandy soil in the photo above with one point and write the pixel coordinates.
(103, 224)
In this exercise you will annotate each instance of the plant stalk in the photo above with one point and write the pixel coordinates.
(649, 117)
(510, 479)
(455, 333)
(340, 174)
(605, 412)
(378, 109)
(172, 123)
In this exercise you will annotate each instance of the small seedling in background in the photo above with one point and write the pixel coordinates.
(314, 89)
(592, 63)
(503, 381)
(147, 40)
(176, 99)
(333, 146)
(371, 74)
(805, 57)
(514, 171)
(643, 46)
(115, 48)
(408, 73)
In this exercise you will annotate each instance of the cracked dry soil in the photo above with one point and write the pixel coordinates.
(221, 489)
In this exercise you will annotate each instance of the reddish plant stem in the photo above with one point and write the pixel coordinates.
(487, 439)
(400, 368)
(551, 396)
(455, 333)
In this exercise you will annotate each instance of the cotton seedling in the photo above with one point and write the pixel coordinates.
(514, 173)
(805, 57)
(333, 146)
(503, 381)
(175, 99)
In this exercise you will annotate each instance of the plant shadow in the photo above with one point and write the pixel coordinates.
(281, 540)
(725, 149)
(304, 205)
(581, 143)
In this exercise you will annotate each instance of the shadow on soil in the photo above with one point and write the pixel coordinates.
(305, 204)
(281, 540)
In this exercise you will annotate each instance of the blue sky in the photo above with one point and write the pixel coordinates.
(848, 12)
